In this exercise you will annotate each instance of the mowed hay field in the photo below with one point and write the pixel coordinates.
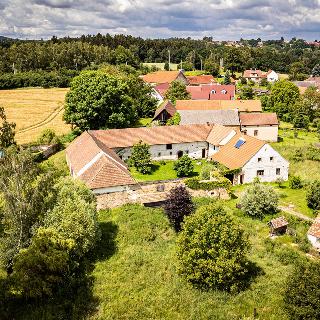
(34, 110)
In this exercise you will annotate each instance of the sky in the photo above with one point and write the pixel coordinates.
(220, 19)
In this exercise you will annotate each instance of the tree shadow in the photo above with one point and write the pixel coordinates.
(75, 299)
(154, 167)
(107, 246)
(253, 271)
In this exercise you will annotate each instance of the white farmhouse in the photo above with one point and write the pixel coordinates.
(314, 234)
(253, 158)
(97, 157)
(272, 76)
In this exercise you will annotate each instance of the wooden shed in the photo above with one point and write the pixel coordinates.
(278, 226)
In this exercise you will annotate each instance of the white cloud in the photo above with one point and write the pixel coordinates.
(222, 19)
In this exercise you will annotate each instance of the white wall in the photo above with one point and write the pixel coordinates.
(266, 133)
(160, 151)
(272, 76)
(249, 170)
(314, 241)
(114, 189)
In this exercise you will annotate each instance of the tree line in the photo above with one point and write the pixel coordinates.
(86, 51)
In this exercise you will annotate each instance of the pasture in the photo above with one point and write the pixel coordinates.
(34, 110)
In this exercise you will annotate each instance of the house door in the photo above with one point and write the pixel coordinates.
(241, 178)
(203, 153)
(180, 154)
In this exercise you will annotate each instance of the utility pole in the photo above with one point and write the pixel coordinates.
(169, 59)
(201, 63)
(181, 64)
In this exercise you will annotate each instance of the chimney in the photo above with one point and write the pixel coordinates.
(208, 124)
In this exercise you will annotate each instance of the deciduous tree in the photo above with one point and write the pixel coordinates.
(177, 91)
(141, 157)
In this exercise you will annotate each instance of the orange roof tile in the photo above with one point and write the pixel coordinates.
(202, 79)
(255, 119)
(121, 138)
(165, 105)
(234, 158)
(161, 76)
(315, 228)
(241, 105)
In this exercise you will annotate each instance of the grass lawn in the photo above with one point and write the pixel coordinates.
(33, 110)
(163, 171)
(143, 122)
(138, 278)
(308, 170)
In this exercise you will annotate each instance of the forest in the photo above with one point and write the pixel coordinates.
(91, 50)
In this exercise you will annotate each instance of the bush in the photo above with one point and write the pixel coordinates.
(298, 155)
(313, 153)
(141, 157)
(178, 205)
(184, 166)
(301, 121)
(302, 291)
(212, 249)
(196, 184)
(206, 170)
(48, 136)
(313, 195)
(258, 200)
(295, 182)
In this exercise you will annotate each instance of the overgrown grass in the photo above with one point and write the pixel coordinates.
(163, 171)
(139, 281)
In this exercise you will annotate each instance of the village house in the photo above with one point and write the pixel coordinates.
(254, 158)
(159, 77)
(257, 75)
(212, 92)
(314, 234)
(97, 157)
(263, 126)
(164, 112)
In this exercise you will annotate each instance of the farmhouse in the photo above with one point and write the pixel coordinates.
(314, 233)
(97, 157)
(257, 75)
(240, 105)
(254, 158)
(159, 77)
(164, 112)
(212, 92)
(263, 126)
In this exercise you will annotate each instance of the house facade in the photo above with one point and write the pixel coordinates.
(257, 75)
(314, 234)
(263, 126)
(272, 76)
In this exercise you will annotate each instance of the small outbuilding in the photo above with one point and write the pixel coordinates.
(278, 226)
(314, 234)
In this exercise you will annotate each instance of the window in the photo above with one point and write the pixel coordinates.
(244, 131)
(223, 91)
(255, 132)
(271, 159)
(213, 91)
(260, 172)
(259, 159)
(170, 153)
(278, 171)
(159, 154)
(187, 151)
(169, 146)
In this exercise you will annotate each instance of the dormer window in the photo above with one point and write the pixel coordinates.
(213, 91)
(223, 91)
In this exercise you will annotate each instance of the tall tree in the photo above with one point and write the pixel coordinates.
(316, 70)
(7, 132)
(177, 91)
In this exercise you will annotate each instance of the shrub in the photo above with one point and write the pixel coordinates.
(313, 195)
(175, 120)
(183, 166)
(302, 291)
(141, 157)
(196, 184)
(212, 249)
(206, 170)
(301, 121)
(178, 205)
(313, 153)
(48, 136)
(295, 182)
(258, 200)
(298, 155)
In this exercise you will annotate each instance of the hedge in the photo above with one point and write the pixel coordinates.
(37, 79)
(196, 184)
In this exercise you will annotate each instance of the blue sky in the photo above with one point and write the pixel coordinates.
(221, 19)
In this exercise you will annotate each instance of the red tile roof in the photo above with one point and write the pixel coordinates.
(315, 228)
(253, 73)
(212, 92)
(241, 105)
(279, 222)
(162, 88)
(161, 76)
(165, 105)
(258, 119)
(202, 79)
(122, 138)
